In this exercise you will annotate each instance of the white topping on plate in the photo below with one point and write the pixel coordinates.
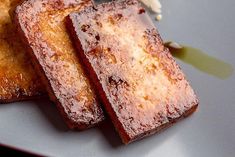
(154, 5)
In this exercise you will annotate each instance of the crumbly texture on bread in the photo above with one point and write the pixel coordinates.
(18, 80)
(41, 26)
(142, 88)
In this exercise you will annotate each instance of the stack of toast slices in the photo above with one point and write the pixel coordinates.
(91, 60)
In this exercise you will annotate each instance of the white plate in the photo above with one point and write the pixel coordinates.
(210, 132)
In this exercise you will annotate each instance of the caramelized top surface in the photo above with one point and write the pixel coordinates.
(46, 33)
(140, 78)
(17, 77)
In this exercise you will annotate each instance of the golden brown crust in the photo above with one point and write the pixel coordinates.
(141, 86)
(41, 25)
(18, 80)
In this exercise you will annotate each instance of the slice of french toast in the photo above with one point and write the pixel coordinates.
(18, 80)
(41, 26)
(142, 88)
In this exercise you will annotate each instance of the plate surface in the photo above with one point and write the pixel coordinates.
(205, 24)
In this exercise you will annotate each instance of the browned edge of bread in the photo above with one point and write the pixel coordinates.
(34, 8)
(13, 99)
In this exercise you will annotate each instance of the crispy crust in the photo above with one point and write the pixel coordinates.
(40, 24)
(18, 80)
(142, 88)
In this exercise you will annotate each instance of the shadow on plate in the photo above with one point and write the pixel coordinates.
(147, 143)
(110, 133)
(52, 114)
(152, 143)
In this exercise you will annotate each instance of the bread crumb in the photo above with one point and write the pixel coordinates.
(173, 45)
(159, 17)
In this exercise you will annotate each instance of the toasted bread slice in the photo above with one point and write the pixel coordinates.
(142, 88)
(18, 80)
(41, 25)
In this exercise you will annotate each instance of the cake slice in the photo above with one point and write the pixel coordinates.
(142, 88)
(18, 80)
(41, 26)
